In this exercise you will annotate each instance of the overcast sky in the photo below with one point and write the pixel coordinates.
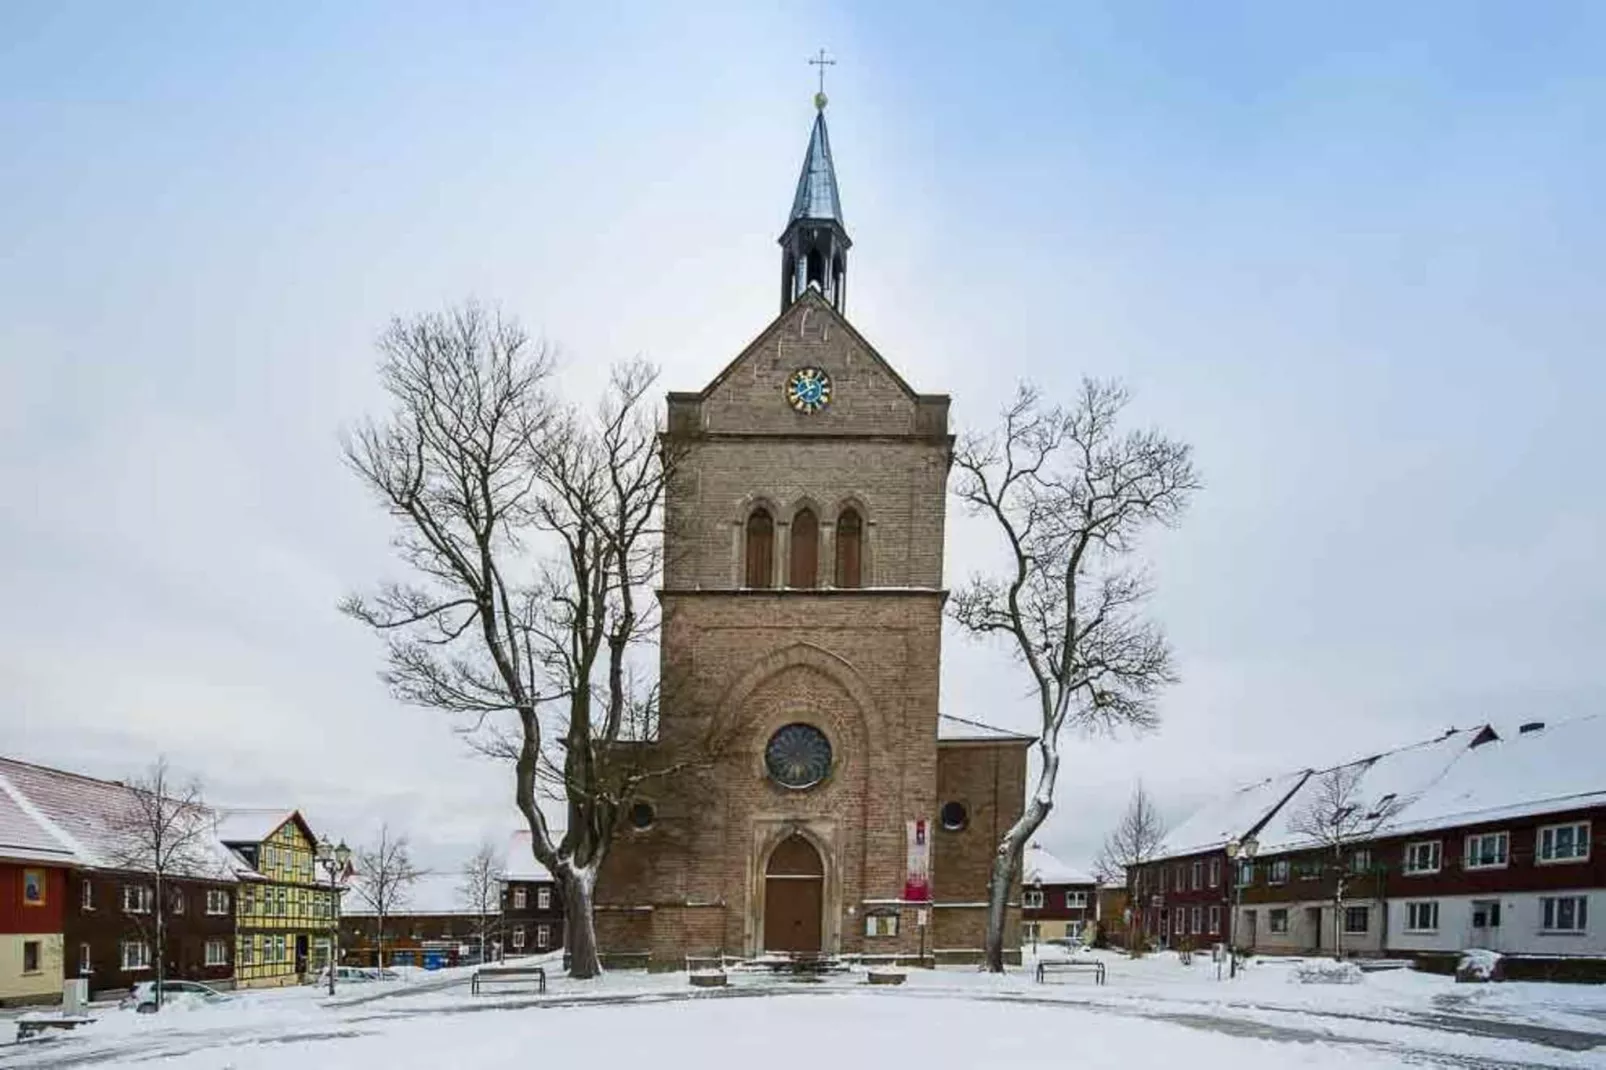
(1354, 258)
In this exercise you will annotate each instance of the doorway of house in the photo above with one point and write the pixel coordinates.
(794, 898)
(1486, 923)
(1313, 920)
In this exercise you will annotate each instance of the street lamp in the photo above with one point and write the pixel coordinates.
(1247, 849)
(333, 861)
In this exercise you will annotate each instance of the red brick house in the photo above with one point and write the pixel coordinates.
(33, 877)
(1058, 902)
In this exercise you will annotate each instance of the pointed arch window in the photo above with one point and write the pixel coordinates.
(760, 548)
(849, 549)
(804, 570)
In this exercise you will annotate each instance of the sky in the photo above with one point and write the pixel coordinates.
(1353, 256)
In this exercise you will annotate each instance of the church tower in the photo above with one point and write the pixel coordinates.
(815, 244)
(802, 607)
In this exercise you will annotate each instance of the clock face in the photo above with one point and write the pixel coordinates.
(808, 390)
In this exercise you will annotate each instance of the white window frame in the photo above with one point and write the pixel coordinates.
(178, 900)
(1550, 914)
(1179, 923)
(1215, 921)
(1182, 878)
(1278, 871)
(884, 924)
(1435, 851)
(1581, 836)
(217, 901)
(1413, 908)
(1029, 930)
(1246, 873)
(1075, 900)
(1197, 877)
(543, 936)
(521, 898)
(1215, 873)
(1366, 913)
(221, 958)
(1360, 860)
(141, 899)
(140, 960)
(86, 960)
(1031, 899)
(543, 898)
(1273, 916)
(86, 895)
(518, 938)
(248, 951)
(1477, 840)
(1196, 922)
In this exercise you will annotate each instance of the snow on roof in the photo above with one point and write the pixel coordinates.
(249, 824)
(1522, 774)
(520, 864)
(1230, 817)
(1040, 867)
(82, 814)
(432, 893)
(27, 835)
(1393, 778)
(951, 729)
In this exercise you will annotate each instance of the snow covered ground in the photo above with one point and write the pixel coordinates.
(1152, 1012)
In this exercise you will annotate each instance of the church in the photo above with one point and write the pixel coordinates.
(802, 602)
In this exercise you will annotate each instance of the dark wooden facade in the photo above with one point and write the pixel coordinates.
(532, 917)
(100, 916)
(1185, 902)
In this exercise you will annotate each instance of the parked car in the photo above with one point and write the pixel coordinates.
(189, 993)
(356, 975)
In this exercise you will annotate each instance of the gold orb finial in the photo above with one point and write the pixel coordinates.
(820, 100)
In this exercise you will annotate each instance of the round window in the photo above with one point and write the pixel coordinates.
(954, 816)
(642, 815)
(798, 756)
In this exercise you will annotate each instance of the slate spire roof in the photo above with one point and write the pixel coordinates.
(816, 196)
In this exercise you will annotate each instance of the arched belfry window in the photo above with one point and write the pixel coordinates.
(760, 549)
(805, 563)
(849, 549)
(815, 268)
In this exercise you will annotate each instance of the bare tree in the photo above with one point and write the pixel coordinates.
(385, 879)
(1134, 841)
(1335, 817)
(163, 829)
(481, 891)
(1070, 493)
(534, 532)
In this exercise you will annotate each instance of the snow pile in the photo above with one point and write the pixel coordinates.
(1476, 964)
(1323, 972)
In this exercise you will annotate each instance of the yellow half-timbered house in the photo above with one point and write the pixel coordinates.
(285, 913)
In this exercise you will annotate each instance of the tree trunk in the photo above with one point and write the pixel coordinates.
(579, 922)
(161, 957)
(1006, 863)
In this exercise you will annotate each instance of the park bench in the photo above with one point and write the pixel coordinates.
(1046, 968)
(27, 1027)
(498, 974)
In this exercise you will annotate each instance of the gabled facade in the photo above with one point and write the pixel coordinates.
(33, 875)
(285, 911)
(532, 904)
(1057, 902)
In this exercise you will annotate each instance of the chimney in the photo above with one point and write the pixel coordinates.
(1530, 726)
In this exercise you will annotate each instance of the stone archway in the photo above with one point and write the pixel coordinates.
(794, 898)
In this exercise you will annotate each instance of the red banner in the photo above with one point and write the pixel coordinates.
(917, 882)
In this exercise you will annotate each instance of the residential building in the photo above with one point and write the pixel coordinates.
(108, 893)
(285, 902)
(431, 926)
(1057, 902)
(532, 906)
(1115, 920)
(33, 870)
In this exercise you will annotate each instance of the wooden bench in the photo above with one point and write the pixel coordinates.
(496, 974)
(1046, 968)
(27, 1027)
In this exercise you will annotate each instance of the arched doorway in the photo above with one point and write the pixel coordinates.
(794, 897)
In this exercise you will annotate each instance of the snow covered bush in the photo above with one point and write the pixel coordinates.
(1325, 972)
(1478, 965)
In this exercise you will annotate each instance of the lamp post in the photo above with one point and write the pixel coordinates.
(1246, 849)
(333, 861)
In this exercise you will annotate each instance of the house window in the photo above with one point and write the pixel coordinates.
(1215, 921)
(1215, 873)
(1279, 872)
(1032, 899)
(1029, 932)
(217, 901)
(178, 901)
(849, 548)
(518, 938)
(760, 549)
(136, 955)
(136, 899)
(1180, 925)
(804, 567)
(1076, 900)
(1486, 913)
(1564, 843)
(887, 925)
(1422, 857)
(33, 887)
(247, 951)
(543, 898)
(1360, 861)
(280, 948)
(1565, 913)
(1198, 875)
(1487, 851)
(1198, 917)
(543, 936)
(521, 898)
(1357, 919)
(30, 956)
(85, 960)
(1246, 873)
(1277, 921)
(86, 895)
(284, 902)
(1181, 878)
(217, 953)
(1422, 917)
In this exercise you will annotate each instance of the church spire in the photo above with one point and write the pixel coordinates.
(814, 246)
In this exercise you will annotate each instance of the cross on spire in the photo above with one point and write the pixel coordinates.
(821, 61)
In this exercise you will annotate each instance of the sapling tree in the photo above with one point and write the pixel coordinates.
(480, 891)
(385, 878)
(1069, 493)
(1334, 815)
(1135, 841)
